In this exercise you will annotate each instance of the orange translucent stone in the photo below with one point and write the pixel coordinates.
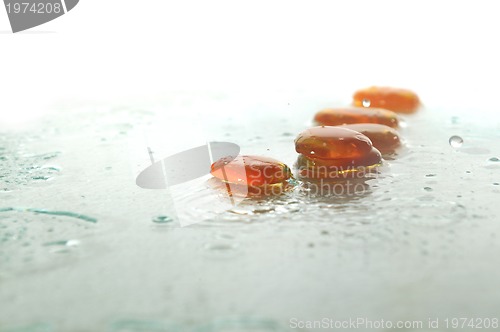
(252, 171)
(384, 138)
(329, 152)
(350, 115)
(325, 142)
(394, 99)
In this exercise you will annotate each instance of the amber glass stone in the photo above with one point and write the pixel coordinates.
(350, 115)
(331, 152)
(394, 99)
(326, 142)
(373, 157)
(312, 168)
(252, 171)
(384, 138)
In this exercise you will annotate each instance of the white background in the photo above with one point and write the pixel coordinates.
(121, 49)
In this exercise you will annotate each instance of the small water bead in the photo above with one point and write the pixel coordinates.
(366, 102)
(494, 159)
(394, 99)
(351, 115)
(384, 138)
(456, 141)
(162, 219)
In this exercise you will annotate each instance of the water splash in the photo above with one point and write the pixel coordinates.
(53, 213)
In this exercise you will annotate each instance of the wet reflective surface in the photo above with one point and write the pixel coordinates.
(82, 247)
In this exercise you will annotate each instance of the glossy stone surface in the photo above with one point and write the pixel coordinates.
(384, 138)
(350, 115)
(326, 142)
(394, 99)
(252, 171)
(312, 168)
(331, 152)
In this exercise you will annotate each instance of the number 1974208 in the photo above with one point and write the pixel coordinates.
(34, 8)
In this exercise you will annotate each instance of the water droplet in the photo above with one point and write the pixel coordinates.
(162, 219)
(366, 102)
(456, 141)
(427, 188)
(494, 159)
(312, 152)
